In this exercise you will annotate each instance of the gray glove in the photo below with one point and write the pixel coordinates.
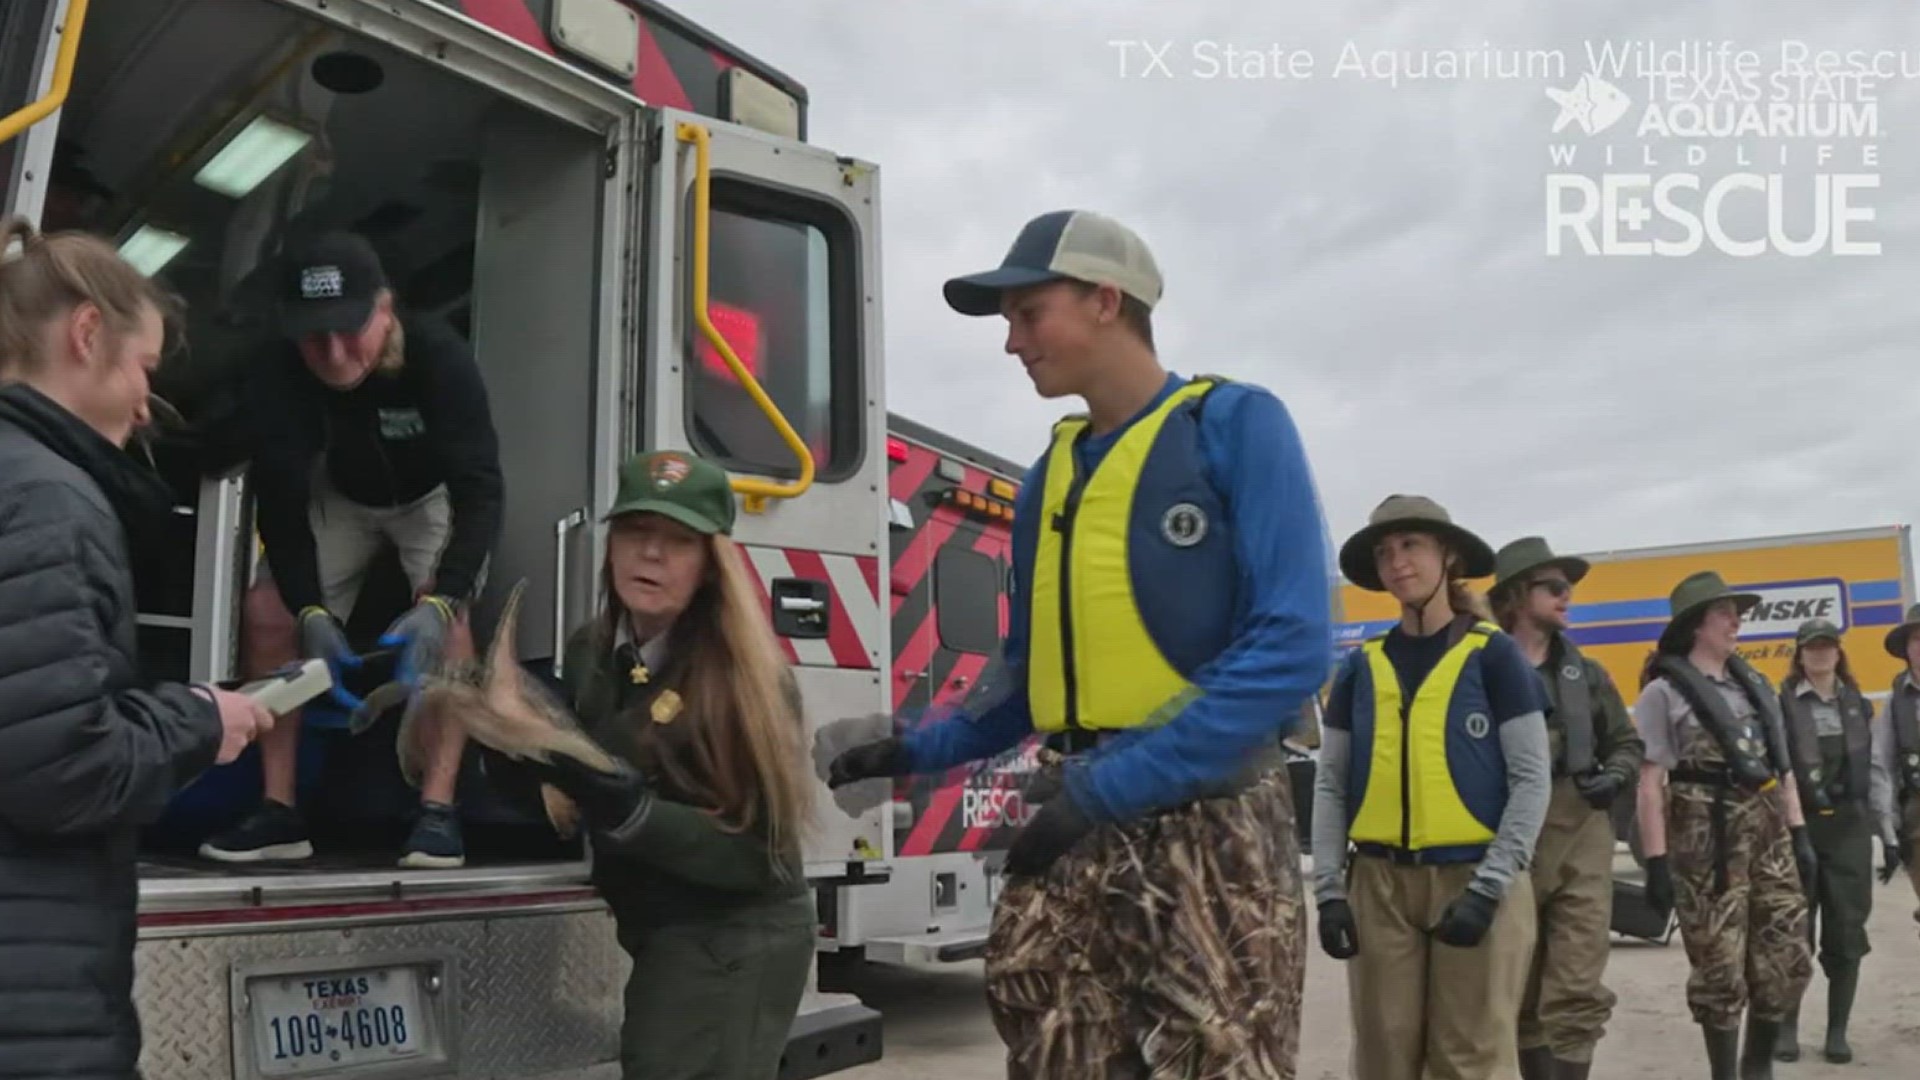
(421, 636)
(323, 638)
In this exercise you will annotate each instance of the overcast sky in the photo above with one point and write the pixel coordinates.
(1376, 254)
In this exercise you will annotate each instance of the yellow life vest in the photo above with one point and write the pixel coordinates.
(1145, 522)
(1435, 775)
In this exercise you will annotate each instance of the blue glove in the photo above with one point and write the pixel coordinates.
(323, 638)
(421, 637)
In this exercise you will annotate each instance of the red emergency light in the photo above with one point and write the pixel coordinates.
(896, 449)
(740, 329)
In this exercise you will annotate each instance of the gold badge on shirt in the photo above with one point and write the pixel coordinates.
(666, 707)
(640, 674)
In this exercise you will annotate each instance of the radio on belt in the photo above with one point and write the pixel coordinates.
(290, 687)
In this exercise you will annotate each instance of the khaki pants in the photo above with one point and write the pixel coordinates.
(1567, 1007)
(1171, 949)
(1423, 1010)
(347, 536)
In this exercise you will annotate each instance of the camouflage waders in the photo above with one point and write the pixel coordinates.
(1567, 1006)
(1737, 893)
(1170, 949)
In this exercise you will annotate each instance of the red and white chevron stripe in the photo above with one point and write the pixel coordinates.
(853, 586)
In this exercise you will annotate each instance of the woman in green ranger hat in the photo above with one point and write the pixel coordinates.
(697, 843)
(1741, 861)
(1903, 715)
(1841, 756)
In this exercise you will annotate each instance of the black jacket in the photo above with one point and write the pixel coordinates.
(386, 442)
(89, 750)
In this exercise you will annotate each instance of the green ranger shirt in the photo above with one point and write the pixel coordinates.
(674, 862)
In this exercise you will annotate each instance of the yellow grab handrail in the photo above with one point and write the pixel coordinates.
(757, 491)
(62, 76)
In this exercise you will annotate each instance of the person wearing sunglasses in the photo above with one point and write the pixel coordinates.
(1596, 757)
(1840, 758)
(1723, 835)
(1434, 767)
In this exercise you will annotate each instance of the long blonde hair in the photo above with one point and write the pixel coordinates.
(738, 748)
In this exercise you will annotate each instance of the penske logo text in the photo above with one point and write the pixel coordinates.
(1785, 605)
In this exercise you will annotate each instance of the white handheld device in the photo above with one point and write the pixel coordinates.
(290, 687)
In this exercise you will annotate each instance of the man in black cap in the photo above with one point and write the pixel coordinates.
(368, 425)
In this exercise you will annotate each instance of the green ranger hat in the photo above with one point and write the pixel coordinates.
(1528, 554)
(1411, 513)
(679, 485)
(1897, 637)
(1689, 603)
(1815, 630)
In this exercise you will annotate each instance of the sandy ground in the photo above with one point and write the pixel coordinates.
(937, 1024)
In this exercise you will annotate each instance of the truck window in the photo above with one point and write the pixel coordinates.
(966, 596)
(783, 290)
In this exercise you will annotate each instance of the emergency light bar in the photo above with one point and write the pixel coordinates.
(974, 504)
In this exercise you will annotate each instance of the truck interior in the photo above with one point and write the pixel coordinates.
(201, 135)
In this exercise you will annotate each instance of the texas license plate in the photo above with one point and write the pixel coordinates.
(336, 1020)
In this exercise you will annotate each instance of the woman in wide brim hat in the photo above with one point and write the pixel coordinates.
(1436, 899)
(1705, 810)
(1412, 513)
(1906, 784)
(1688, 605)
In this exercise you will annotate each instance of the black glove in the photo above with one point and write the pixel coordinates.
(1600, 789)
(1804, 857)
(1659, 884)
(1894, 856)
(1338, 936)
(1466, 919)
(421, 636)
(606, 800)
(323, 638)
(886, 757)
(1051, 833)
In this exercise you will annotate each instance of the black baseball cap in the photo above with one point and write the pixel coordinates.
(330, 286)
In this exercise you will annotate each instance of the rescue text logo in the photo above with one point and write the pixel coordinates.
(1747, 152)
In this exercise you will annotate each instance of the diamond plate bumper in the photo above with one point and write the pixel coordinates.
(537, 993)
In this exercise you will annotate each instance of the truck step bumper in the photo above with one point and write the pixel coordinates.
(946, 947)
(839, 1036)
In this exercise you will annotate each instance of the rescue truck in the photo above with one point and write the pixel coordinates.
(623, 215)
(937, 850)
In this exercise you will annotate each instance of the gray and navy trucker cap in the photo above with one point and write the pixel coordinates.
(1077, 244)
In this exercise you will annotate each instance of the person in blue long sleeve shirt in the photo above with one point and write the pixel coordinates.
(1171, 615)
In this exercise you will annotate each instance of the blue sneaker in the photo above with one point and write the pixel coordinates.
(435, 843)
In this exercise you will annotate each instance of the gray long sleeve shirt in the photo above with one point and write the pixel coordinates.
(1529, 786)
(1519, 701)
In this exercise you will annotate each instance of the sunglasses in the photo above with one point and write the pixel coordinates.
(1555, 586)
